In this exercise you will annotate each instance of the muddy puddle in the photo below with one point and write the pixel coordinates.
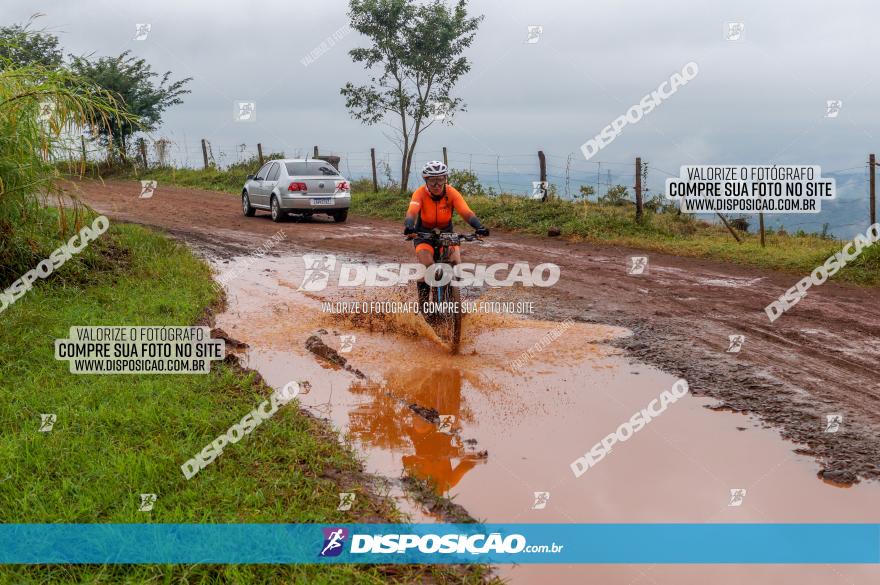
(497, 429)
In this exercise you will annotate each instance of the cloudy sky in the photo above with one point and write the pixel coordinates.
(761, 99)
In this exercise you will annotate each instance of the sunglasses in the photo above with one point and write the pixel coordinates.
(436, 182)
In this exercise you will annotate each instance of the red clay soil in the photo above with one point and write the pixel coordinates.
(821, 357)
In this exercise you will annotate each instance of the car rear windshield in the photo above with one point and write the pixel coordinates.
(299, 169)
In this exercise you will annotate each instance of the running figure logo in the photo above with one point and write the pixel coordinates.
(733, 31)
(142, 31)
(47, 421)
(445, 424)
(637, 265)
(147, 188)
(333, 541)
(318, 270)
(346, 500)
(736, 343)
(832, 108)
(535, 32)
(541, 499)
(147, 502)
(736, 496)
(346, 343)
(833, 422)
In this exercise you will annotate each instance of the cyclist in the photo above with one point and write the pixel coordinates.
(431, 207)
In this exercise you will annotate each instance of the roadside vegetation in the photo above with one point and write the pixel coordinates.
(116, 437)
(608, 219)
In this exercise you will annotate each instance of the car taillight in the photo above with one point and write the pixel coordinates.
(296, 186)
(342, 186)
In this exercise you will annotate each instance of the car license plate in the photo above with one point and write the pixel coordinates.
(322, 201)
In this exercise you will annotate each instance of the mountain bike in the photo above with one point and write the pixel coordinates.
(443, 312)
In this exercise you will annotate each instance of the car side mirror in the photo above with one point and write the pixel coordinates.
(250, 177)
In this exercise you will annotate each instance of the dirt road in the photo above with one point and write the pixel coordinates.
(819, 359)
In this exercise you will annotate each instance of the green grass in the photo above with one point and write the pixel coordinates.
(668, 232)
(118, 436)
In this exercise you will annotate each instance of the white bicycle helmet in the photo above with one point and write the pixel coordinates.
(435, 168)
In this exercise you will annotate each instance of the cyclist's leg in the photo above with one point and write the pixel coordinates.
(425, 256)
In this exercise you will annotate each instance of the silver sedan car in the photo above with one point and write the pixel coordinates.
(295, 185)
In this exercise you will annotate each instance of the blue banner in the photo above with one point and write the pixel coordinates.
(441, 543)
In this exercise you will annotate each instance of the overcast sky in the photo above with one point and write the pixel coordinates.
(757, 100)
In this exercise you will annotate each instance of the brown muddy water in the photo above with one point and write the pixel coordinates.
(509, 428)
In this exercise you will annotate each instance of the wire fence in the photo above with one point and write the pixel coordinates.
(517, 174)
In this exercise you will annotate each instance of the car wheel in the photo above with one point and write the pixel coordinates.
(340, 216)
(277, 214)
(246, 205)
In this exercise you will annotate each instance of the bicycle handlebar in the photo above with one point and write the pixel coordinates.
(450, 237)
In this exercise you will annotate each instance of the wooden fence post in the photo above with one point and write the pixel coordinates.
(761, 222)
(873, 164)
(142, 147)
(205, 153)
(260, 152)
(639, 204)
(729, 228)
(445, 160)
(316, 153)
(542, 161)
(375, 181)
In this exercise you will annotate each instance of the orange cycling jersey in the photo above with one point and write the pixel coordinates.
(429, 214)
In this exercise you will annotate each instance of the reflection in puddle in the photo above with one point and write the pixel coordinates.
(513, 432)
(435, 452)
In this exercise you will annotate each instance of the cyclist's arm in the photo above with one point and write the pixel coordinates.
(464, 210)
(415, 207)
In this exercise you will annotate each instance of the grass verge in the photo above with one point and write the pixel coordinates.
(118, 436)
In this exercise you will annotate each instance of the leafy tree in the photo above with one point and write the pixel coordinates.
(132, 82)
(616, 195)
(415, 54)
(586, 191)
(20, 46)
